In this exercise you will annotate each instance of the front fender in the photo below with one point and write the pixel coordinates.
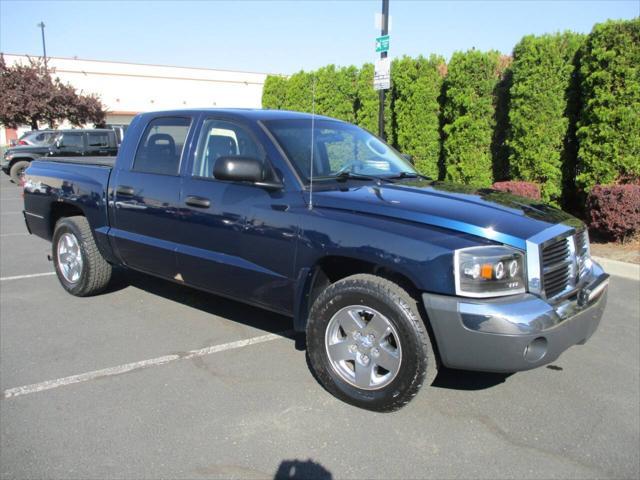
(421, 253)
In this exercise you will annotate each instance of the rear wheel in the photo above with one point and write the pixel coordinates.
(80, 267)
(17, 170)
(367, 343)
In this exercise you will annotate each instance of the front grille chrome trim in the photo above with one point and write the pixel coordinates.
(535, 245)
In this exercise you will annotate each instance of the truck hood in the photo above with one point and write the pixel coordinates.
(486, 213)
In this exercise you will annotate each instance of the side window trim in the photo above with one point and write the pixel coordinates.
(186, 148)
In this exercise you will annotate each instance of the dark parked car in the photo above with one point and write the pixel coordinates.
(389, 274)
(66, 143)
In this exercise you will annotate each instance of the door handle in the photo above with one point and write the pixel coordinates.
(198, 202)
(125, 191)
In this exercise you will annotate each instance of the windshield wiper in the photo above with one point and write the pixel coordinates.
(347, 175)
(409, 175)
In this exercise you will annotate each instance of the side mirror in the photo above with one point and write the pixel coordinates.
(408, 158)
(243, 169)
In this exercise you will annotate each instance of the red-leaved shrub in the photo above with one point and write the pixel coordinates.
(614, 211)
(523, 189)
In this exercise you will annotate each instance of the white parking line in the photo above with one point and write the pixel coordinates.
(128, 367)
(20, 277)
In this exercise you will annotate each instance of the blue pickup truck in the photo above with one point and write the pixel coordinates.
(390, 274)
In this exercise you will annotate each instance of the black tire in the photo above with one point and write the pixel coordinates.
(95, 271)
(418, 362)
(17, 169)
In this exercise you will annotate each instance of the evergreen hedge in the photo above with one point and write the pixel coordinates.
(541, 119)
(609, 125)
(469, 116)
(480, 119)
(416, 88)
(274, 92)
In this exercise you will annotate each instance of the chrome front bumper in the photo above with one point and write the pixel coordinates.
(514, 333)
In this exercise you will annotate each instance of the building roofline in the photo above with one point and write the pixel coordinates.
(143, 64)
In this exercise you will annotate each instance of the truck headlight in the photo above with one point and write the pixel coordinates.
(491, 271)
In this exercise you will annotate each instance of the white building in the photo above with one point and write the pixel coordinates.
(128, 88)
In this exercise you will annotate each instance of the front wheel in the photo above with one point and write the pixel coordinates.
(367, 343)
(17, 171)
(80, 267)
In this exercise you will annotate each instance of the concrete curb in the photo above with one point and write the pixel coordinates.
(619, 269)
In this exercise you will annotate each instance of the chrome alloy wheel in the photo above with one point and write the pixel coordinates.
(363, 347)
(69, 257)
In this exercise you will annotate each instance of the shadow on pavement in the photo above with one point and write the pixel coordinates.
(466, 380)
(272, 323)
(299, 470)
(206, 302)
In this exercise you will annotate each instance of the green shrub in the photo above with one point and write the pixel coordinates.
(299, 92)
(336, 92)
(468, 114)
(274, 92)
(539, 114)
(417, 84)
(368, 101)
(609, 125)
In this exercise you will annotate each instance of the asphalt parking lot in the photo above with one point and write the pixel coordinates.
(155, 380)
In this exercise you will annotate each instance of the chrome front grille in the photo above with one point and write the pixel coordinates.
(581, 240)
(557, 263)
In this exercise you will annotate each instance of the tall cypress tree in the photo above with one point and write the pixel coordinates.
(468, 113)
(416, 87)
(541, 124)
(609, 125)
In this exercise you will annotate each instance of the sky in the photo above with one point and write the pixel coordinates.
(284, 36)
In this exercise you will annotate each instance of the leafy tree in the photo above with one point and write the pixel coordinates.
(539, 115)
(468, 114)
(274, 92)
(416, 87)
(609, 125)
(29, 96)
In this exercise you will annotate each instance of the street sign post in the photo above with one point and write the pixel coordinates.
(382, 44)
(382, 74)
(382, 77)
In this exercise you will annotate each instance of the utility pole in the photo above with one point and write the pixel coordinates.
(41, 25)
(383, 54)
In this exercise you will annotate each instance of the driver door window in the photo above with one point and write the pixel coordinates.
(220, 138)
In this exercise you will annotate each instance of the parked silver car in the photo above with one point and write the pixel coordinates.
(35, 138)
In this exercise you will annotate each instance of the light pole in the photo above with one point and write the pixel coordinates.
(383, 54)
(41, 25)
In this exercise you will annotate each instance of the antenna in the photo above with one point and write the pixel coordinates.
(313, 131)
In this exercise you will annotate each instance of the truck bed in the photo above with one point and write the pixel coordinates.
(99, 161)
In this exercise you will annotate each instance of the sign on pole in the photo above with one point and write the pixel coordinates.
(382, 74)
(382, 44)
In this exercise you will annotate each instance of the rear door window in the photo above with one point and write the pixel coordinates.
(162, 145)
(72, 140)
(98, 139)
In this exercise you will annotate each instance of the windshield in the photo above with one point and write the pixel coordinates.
(338, 149)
